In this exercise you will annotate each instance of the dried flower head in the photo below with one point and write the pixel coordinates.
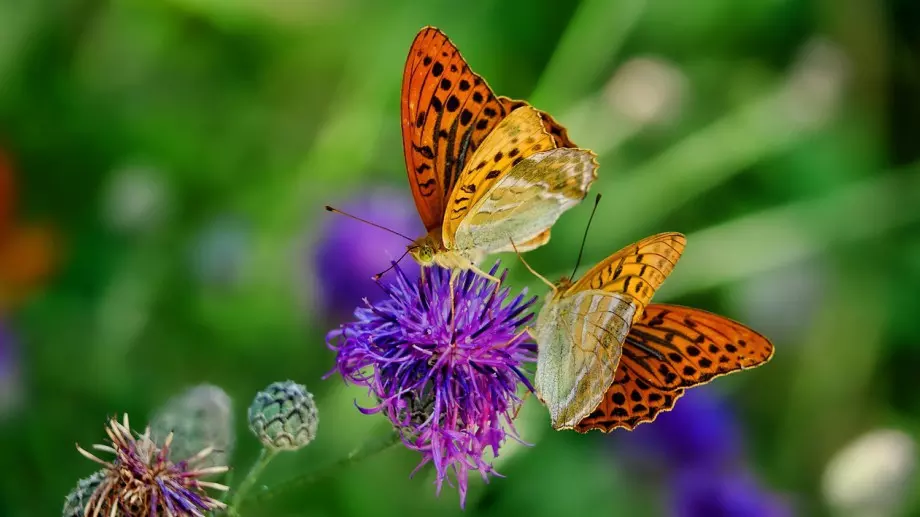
(142, 481)
(446, 379)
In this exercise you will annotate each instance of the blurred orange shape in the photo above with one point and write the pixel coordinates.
(27, 257)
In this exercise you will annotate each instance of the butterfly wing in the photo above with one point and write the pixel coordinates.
(580, 338)
(447, 111)
(669, 349)
(638, 269)
(515, 187)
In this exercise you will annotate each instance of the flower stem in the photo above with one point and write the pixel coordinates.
(361, 453)
(265, 457)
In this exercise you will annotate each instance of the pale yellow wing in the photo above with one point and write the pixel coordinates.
(637, 270)
(525, 203)
(517, 136)
(580, 341)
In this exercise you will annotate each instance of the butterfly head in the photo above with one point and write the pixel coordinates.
(562, 286)
(423, 250)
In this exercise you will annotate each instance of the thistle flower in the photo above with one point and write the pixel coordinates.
(448, 385)
(142, 481)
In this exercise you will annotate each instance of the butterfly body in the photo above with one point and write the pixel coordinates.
(485, 171)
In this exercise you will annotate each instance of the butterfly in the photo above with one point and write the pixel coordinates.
(26, 252)
(607, 358)
(484, 170)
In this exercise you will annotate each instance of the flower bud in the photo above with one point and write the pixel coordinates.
(75, 503)
(283, 416)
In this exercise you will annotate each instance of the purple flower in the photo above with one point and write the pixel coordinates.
(449, 385)
(700, 431)
(348, 252)
(9, 371)
(727, 493)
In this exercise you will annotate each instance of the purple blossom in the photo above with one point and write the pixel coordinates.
(10, 383)
(348, 252)
(700, 431)
(449, 385)
(726, 493)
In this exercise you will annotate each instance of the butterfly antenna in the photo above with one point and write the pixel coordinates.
(584, 239)
(392, 265)
(532, 270)
(365, 221)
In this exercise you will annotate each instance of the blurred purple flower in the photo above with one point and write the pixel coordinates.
(9, 371)
(700, 431)
(348, 252)
(448, 386)
(728, 493)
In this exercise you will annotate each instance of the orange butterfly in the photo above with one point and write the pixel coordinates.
(26, 252)
(608, 359)
(484, 170)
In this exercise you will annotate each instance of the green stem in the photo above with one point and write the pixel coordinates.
(265, 457)
(355, 456)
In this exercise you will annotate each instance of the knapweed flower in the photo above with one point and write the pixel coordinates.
(447, 383)
(142, 481)
(707, 493)
(348, 253)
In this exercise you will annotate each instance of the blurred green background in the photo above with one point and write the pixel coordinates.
(180, 153)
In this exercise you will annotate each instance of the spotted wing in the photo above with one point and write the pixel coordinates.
(680, 347)
(669, 349)
(628, 402)
(447, 111)
(638, 269)
(516, 186)
(580, 338)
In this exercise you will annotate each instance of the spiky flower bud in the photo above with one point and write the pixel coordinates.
(283, 416)
(77, 499)
(199, 418)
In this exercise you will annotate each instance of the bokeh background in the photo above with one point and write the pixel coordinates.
(165, 169)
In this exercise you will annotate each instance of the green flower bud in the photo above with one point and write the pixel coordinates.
(199, 418)
(283, 416)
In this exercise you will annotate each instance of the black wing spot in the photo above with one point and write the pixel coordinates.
(420, 120)
(477, 97)
(482, 124)
(452, 103)
(517, 161)
(705, 362)
(618, 399)
(489, 112)
(426, 61)
(436, 104)
(731, 348)
(464, 85)
(498, 156)
(437, 69)
(693, 351)
(493, 174)
(465, 116)
(445, 84)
